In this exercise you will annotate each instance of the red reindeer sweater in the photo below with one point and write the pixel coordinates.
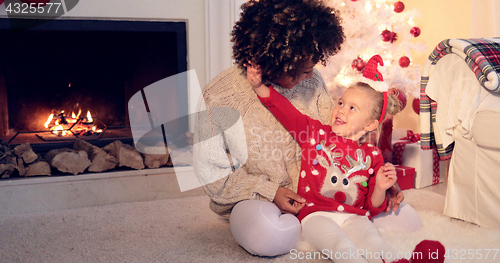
(337, 174)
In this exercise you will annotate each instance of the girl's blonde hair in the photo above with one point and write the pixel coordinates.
(393, 106)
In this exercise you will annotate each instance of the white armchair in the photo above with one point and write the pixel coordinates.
(465, 119)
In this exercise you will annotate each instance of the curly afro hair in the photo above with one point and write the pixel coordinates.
(281, 35)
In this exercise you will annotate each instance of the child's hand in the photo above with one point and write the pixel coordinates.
(386, 177)
(254, 75)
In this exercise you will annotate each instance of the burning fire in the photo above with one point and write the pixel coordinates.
(63, 125)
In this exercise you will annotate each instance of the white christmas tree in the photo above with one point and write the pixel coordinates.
(374, 27)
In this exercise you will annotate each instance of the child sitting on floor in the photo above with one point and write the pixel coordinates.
(343, 178)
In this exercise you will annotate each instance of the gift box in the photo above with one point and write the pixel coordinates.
(407, 152)
(406, 177)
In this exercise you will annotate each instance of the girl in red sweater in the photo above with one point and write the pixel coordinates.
(343, 178)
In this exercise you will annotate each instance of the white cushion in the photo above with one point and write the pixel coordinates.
(485, 129)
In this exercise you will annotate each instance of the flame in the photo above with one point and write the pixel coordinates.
(59, 130)
(89, 117)
(49, 120)
(78, 125)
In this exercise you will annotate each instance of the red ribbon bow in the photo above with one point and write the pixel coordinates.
(410, 136)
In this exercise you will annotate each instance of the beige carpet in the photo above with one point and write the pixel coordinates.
(185, 230)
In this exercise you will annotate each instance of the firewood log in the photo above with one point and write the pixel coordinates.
(68, 160)
(127, 155)
(7, 160)
(20, 167)
(100, 160)
(25, 152)
(155, 156)
(38, 167)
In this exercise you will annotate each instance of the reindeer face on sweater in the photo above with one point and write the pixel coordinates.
(343, 186)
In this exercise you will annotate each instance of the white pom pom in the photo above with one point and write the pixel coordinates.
(377, 85)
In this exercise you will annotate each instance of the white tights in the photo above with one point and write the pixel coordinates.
(261, 229)
(356, 240)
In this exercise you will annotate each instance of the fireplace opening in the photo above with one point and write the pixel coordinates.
(71, 79)
(84, 71)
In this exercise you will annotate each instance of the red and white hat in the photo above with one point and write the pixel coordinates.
(372, 76)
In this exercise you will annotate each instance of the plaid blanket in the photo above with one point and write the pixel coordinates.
(483, 58)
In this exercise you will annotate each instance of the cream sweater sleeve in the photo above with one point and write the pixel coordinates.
(221, 172)
(235, 119)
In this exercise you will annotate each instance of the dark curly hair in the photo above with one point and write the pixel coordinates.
(281, 35)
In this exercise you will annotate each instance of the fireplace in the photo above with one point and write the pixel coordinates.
(209, 52)
(75, 67)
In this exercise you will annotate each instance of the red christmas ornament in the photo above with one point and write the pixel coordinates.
(394, 37)
(416, 105)
(404, 61)
(1, 2)
(358, 64)
(399, 7)
(387, 35)
(415, 31)
(41, 2)
(400, 96)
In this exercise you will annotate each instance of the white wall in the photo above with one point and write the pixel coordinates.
(485, 18)
(438, 20)
(220, 18)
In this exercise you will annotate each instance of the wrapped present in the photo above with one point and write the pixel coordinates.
(407, 152)
(406, 177)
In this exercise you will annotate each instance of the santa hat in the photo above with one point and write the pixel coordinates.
(372, 76)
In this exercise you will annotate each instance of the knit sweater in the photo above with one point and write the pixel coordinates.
(263, 156)
(337, 174)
